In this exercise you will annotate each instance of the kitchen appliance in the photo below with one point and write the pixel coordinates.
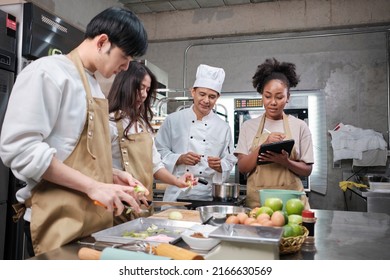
(250, 108)
(217, 214)
(225, 191)
(276, 147)
(38, 33)
(7, 76)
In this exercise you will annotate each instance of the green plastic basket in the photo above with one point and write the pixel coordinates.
(284, 195)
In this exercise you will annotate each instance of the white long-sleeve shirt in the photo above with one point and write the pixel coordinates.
(45, 116)
(116, 153)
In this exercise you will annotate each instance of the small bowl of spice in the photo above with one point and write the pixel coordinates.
(197, 237)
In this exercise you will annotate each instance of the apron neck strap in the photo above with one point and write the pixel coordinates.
(75, 58)
(119, 126)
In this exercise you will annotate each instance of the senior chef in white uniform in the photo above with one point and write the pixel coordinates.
(197, 140)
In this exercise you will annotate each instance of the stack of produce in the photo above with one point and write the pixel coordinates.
(271, 214)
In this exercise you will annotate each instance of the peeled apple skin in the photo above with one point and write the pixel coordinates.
(139, 189)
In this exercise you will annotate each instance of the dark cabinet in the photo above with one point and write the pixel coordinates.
(355, 201)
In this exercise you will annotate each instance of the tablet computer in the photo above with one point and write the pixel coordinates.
(276, 147)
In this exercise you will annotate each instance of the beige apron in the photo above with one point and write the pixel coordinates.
(137, 159)
(272, 175)
(60, 215)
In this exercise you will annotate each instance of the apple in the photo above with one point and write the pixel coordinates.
(295, 219)
(288, 231)
(297, 229)
(264, 209)
(275, 203)
(294, 206)
(278, 219)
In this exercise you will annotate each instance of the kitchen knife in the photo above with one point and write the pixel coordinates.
(170, 203)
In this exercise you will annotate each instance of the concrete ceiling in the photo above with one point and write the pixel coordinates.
(156, 6)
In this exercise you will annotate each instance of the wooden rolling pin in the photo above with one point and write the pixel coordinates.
(115, 254)
(175, 252)
(161, 251)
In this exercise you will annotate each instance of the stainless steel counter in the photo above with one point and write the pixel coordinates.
(339, 235)
(376, 201)
(346, 235)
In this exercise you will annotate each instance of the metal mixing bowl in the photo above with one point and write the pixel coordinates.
(216, 214)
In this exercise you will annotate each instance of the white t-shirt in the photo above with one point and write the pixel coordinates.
(299, 129)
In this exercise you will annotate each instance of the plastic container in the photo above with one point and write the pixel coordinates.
(308, 221)
(284, 195)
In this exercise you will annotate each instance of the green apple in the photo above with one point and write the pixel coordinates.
(264, 209)
(294, 206)
(288, 231)
(285, 217)
(295, 219)
(275, 203)
(297, 229)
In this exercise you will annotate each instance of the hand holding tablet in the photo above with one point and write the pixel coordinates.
(276, 147)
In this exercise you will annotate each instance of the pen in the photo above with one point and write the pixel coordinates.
(266, 131)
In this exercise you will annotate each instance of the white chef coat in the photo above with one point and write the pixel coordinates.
(180, 133)
(45, 116)
(116, 153)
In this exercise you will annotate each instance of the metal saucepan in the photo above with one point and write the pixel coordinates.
(225, 191)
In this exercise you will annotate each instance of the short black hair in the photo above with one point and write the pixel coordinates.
(273, 69)
(123, 28)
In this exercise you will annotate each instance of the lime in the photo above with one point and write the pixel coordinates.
(274, 203)
(288, 231)
(297, 229)
(294, 206)
(295, 219)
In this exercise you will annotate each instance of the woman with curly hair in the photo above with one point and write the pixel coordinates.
(273, 80)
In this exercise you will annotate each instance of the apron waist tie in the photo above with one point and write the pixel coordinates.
(20, 209)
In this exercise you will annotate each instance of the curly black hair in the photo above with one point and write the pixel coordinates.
(273, 69)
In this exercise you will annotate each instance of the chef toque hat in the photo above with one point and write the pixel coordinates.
(209, 77)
